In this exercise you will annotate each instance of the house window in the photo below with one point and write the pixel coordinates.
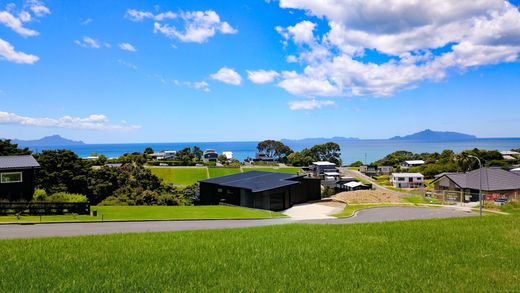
(13, 177)
(401, 179)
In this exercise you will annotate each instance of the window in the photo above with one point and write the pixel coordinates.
(11, 177)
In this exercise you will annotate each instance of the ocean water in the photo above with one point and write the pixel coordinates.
(362, 150)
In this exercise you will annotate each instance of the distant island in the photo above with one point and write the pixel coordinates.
(53, 140)
(430, 135)
(318, 140)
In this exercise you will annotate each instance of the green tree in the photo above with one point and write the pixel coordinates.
(329, 151)
(148, 151)
(274, 149)
(11, 149)
(197, 152)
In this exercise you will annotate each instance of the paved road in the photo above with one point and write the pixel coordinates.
(357, 174)
(76, 229)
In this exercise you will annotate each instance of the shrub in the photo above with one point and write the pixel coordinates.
(116, 201)
(210, 164)
(328, 191)
(67, 197)
(40, 195)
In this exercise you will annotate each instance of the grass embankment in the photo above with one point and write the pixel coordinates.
(217, 172)
(153, 213)
(350, 209)
(448, 255)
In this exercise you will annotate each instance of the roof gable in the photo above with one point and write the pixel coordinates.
(18, 162)
(256, 181)
(492, 179)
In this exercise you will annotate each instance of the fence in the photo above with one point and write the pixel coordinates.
(44, 208)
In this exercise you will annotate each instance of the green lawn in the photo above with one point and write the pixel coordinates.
(284, 170)
(153, 213)
(446, 255)
(217, 172)
(181, 176)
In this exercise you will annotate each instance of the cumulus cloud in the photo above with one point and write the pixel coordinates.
(127, 47)
(191, 26)
(309, 104)
(93, 122)
(422, 41)
(8, 53)
(227, 75)
(15, 20)
(88, 42)
(262, 76)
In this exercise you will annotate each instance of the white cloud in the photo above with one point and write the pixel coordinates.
(421, 40)
(8, 53)
(196, 26)
(88, 42)
(93, 122)
(262, 76)
(127, 64)
(309, 104)
(127, 47)
(87, 21)
(16, 23)
(227, 75)
(199, 85)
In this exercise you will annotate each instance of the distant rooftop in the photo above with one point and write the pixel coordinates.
(18, 162)
(407, 175)
(414, 162)
(493, 179)
(323, 163)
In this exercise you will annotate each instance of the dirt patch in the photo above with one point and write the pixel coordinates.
(367, 196)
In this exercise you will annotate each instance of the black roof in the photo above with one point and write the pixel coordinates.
(493, 179)
(256, 181)
(18, 162)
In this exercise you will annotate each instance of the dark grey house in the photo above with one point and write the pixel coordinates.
(260, 189)
(496, 183)
(17, 177)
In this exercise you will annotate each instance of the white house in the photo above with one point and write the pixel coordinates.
(407, 180)
(324, 168)
(229, 155)
(411, 163)
(509, 155)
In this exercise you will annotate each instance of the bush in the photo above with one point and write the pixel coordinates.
(40, 195)
(328, 191)
(116, 201)
(66, 197)
(210, 164)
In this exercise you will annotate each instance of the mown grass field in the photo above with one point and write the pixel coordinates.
(449, 255)
(217, 172)
(284, 169)
(187, 176)
(181, 176)
(153, 213)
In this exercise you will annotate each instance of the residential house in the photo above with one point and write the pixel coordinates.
(369, 170)
(384, 170)
(411, 163)
(510, 155)
(259, 189)
(229, 155)
(351, 184)
(324, 169)
(495, 182)
(164, 155)
(17, 177)
(210, 155)
(261, 157)
(407, 180)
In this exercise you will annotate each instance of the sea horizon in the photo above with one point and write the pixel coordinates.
(365, 150)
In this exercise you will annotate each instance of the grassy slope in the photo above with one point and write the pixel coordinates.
(468, 254)
(217, 172)
(350, 209)
(153, 213)
(181, 176)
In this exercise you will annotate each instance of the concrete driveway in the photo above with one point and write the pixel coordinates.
(382, 214)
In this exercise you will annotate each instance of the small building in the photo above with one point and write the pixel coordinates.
(259, 189)
(210, 155)
(384, 170)
(261, 157)
(496, 183)
(407, 180)
(351, 184)
(320, 168)
(510, 155)
(369, 170)
(229, 155)
(411, 163)
(164, 155)
(17, 177)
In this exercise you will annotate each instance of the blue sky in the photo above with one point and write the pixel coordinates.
(173, 71)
